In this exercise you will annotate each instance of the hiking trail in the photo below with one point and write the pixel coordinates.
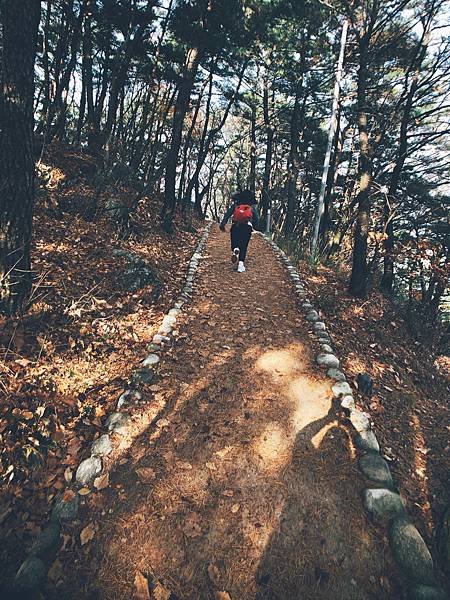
(245, 483)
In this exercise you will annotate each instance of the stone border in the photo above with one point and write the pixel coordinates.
(381, 500)
(32, 573)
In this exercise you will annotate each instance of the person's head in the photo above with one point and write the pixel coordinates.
(244, 197)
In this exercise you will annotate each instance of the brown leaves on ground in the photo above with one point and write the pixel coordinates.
(62, 365)
(87, 534)
(141, 587)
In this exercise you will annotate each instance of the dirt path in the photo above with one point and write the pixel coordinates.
(248, 484)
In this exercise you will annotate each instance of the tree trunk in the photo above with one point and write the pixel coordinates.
(20, 22)
(252, 178)
(181, 106)
(359, 276)
(265, 197)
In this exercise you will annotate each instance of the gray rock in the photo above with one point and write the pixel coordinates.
(48, 542)
(160, 339)
(102, 445)
(319, 326)
(328, 360)
(312, 316)
(65, 512)
(376, 469)
(411, 552)
(307, 306)
(426, 592)
(336, 374)
(31, 575)
(89, 469)
(323, 337)
(383, 505)
(151, 360)
(117, 423)
(178, 305)
(152, 347)
(341, 388)
(360, 421)
(165, 330)
(348, 403)
(326, 348)
(366, 441)
(174, 312)
(142, 376)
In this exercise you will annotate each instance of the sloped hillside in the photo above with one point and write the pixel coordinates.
(96, 302)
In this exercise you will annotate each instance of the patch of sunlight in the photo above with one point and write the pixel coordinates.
(317, 439)
(280, 362)
(311, 399)
(273, 447)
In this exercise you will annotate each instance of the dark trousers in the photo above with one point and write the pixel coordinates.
(240, 237)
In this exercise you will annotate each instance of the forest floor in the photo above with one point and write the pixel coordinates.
(242, 483)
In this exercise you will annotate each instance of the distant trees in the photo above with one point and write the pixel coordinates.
(191, 99)
(19, 30)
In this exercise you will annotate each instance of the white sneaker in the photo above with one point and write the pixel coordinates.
(241, 267)
(235, 256)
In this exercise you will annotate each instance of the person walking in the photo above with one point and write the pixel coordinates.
(244, 217)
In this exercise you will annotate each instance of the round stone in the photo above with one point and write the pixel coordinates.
(411, 552)
(47, 542)
(323, 337)
(88, 470)
(360, 421)
(31, 575)
(142, 376)
(165, 330)
(319, 326)
(366, 441)
(348, 403)
(312, 316)
(341, 388)
(336, 374)
(151, 360)
(326, 348)
(376, 469)
(65, 511)
(102, 445)
(117, 423)
(328, 360)
(383, 505)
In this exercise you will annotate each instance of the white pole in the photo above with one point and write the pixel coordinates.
(331, 132)
(268, 221)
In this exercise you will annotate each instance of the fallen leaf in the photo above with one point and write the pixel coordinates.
(102, 482)
(160, 592)
(141, 587)
(145, 474)
(84, 491)
(235, 508)
(222, 596)
(228, 493)
(87, 534)
(68, 474)
(214, 574)
(211, 466)
(68, 496)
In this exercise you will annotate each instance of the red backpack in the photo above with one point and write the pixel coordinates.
(242, 214)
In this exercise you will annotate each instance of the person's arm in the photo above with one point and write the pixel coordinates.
(226, 216)
(255, 219)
